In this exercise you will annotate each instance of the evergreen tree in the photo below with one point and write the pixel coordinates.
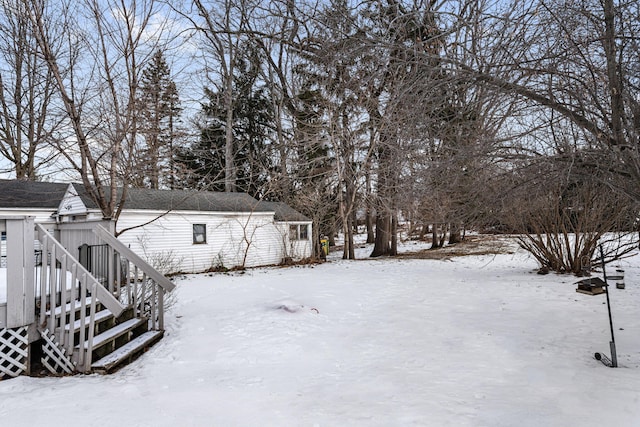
(159, 107)
(252, 128)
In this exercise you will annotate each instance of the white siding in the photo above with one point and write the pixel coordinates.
(71, 204)
(40, 215)
(232, 239)
(296, 249)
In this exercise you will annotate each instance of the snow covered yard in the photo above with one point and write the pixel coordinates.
(470, 341)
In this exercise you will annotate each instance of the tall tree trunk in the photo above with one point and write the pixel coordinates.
(369, 208)
(371, 238)
(435, 241)
(354, 220)
(172, 164)
(383, 231)
(229, 169)
(387, 180)
(349, 250)
(394, 234)
(613, 73)
(454, 234)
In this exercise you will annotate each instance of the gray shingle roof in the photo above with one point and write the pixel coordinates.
(184, 200)
(283, 211)
(47, 195)
(30, 194)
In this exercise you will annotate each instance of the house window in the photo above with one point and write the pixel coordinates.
(199, 234)
(299, 232)
(304, 232)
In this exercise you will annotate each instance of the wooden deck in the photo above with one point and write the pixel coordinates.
(53, 301)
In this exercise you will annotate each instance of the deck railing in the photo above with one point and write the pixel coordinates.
(47, 284)
(133, 281)
(65, 289)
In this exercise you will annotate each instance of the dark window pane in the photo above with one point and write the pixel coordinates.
(199, 233)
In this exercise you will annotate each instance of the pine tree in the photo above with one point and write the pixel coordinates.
(159, 107)
(252, 128)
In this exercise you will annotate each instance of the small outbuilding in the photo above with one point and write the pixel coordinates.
(28, 198)
(193, 231)
(177, 230)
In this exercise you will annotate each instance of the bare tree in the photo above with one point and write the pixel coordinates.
(26, 96)
(562, 216)
(96, 74)
(574, 66)
(577, 59)
(223, 28)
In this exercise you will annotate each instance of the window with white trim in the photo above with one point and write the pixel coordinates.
(299, 232)
(199, 234)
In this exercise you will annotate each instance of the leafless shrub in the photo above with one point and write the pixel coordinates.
(563, 218)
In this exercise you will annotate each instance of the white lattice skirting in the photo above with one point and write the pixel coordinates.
(54, 357)
(14, 349)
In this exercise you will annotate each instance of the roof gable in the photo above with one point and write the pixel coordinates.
(72, 203)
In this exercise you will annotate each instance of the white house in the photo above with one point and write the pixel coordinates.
(177, 230)
(193, 231)
(27, 198)
(293, 228)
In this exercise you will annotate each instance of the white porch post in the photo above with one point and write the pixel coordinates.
(20, 270)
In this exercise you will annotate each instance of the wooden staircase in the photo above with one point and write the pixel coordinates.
(116, 341)
(89, 325)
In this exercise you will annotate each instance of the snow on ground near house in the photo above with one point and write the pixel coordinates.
(468, 341)
(3, 283)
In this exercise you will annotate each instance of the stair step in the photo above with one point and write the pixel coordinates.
(127, 351)
(100, 316)
(76, 306)
(115, 332)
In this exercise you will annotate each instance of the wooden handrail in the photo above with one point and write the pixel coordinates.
(120, 247)
(103, 295)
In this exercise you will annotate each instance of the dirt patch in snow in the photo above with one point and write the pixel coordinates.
(477, 244)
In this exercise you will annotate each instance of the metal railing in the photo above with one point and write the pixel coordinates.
(132, 280)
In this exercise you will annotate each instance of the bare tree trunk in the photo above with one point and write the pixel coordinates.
(435, 241)
(393, 250)
(613, 73)
(371, 238)
(348, 250)
(454, 234)
(369, 208)
(229, 154)
(383, 233)
(387, 180)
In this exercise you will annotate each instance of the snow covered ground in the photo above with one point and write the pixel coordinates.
(3, 283)
(468, 341)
